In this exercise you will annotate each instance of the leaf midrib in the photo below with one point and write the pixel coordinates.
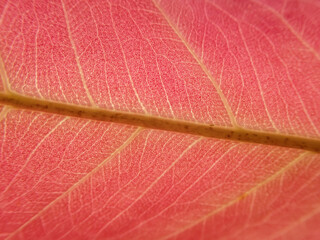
(153, 122)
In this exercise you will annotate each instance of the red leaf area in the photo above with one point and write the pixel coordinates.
(243, 65)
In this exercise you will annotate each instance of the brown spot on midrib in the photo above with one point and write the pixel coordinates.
(152, 122)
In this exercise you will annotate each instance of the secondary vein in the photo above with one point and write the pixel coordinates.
(203, 67)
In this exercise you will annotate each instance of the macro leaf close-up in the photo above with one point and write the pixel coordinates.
(160, 119)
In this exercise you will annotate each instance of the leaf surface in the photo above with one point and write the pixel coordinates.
(73, 71)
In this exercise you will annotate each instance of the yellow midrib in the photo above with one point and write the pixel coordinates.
(153, 122)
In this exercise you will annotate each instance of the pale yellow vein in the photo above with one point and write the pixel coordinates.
(203, 67)
(77, 55)
(236, 200)
(98, 167)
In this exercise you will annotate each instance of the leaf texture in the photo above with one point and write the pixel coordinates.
(242, 66)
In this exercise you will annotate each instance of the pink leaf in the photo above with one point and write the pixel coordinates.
(185, 119)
